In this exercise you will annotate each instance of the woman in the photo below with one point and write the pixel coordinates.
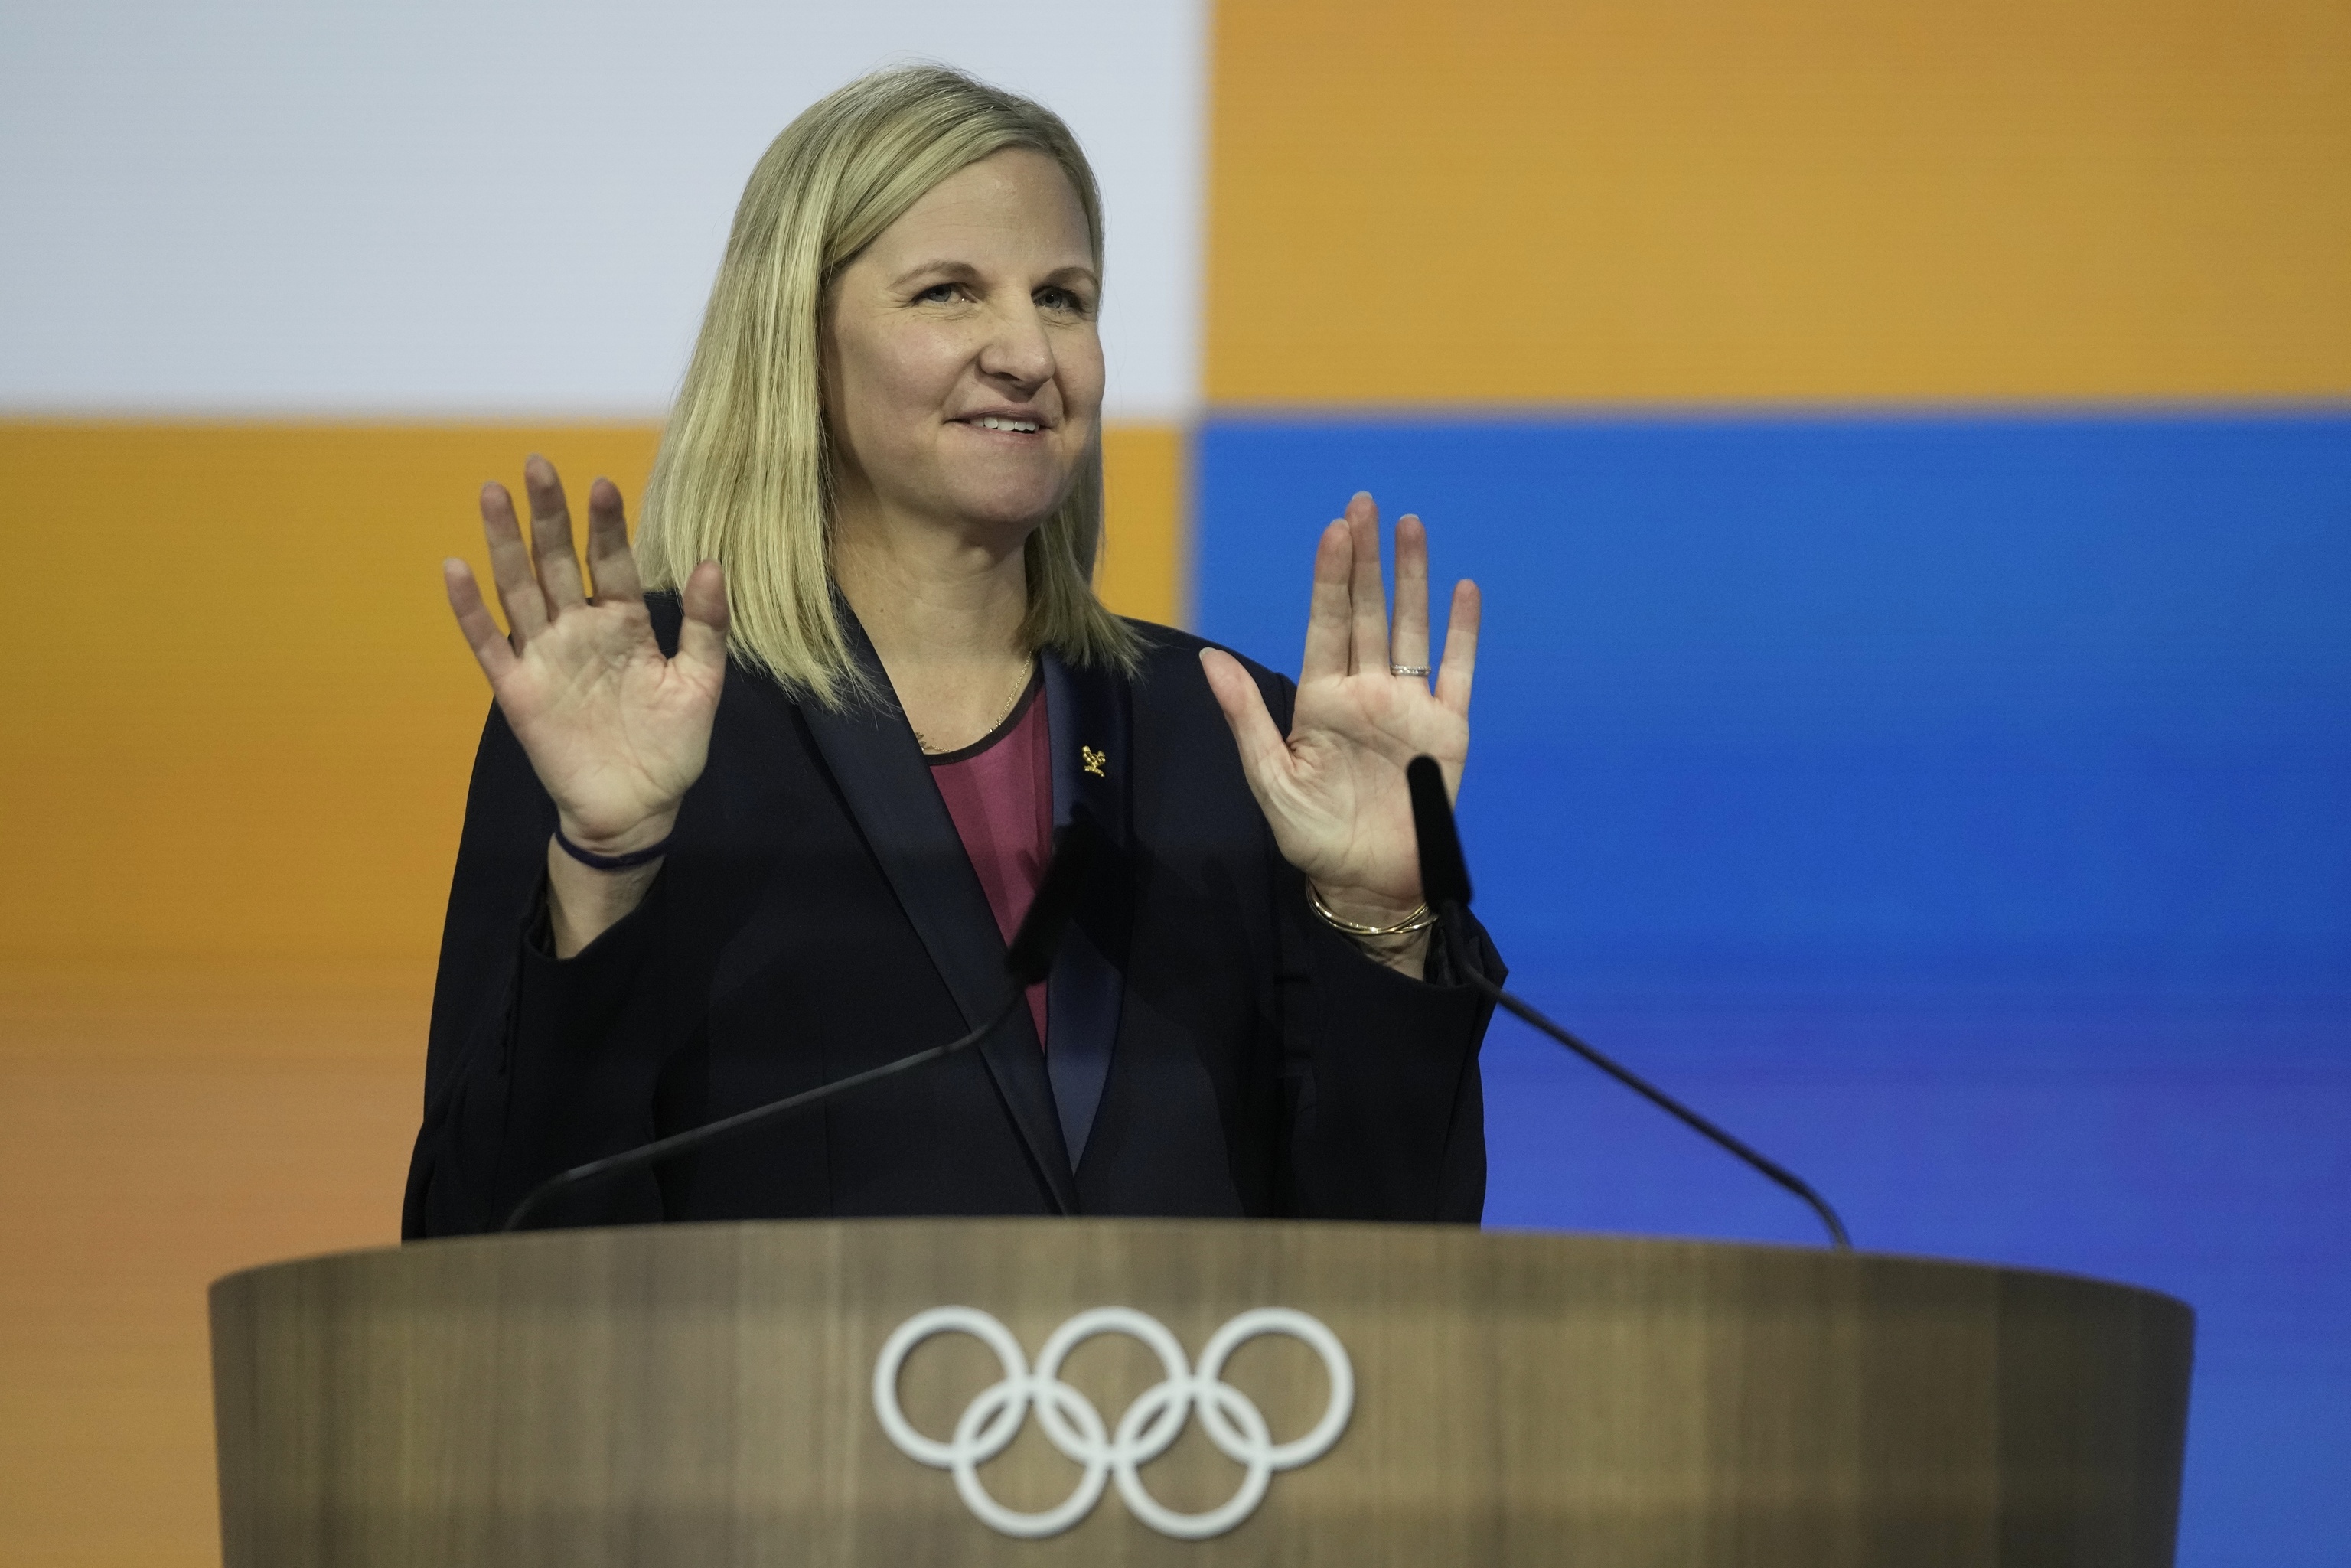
(771, 824)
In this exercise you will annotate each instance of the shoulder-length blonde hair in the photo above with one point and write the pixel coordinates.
(745, 472)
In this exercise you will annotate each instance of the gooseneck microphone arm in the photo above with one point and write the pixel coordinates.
(693, 1138)
(1664, 1102)
(1445, 886)
(1028, 959)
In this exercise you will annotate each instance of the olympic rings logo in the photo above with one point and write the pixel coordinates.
(1148, 1428)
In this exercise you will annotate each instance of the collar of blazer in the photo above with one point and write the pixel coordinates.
(873, 755)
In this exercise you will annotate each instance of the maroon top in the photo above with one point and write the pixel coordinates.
(999, 790)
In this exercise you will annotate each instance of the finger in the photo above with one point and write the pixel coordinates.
(608, 557)
(491, 649)
(518, 593)
(1368, 590)
(551, 538)
(1326, 616)
(1408, 645)
(1265, 756)
(1460, 649)
(702, 638)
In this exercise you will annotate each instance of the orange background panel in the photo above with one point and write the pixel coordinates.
(164, 1129)
(1144, 567)
(1610, 199)
(235, 706)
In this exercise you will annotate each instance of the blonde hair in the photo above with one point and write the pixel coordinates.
(744, 474)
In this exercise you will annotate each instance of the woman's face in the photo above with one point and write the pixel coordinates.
(962, 368)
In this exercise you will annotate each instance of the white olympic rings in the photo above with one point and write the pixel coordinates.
(1147, 1430)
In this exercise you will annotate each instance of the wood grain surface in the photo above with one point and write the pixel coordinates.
(703, 1395)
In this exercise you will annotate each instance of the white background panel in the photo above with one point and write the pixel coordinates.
(499, 207)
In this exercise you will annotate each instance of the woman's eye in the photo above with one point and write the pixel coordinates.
(1060, 299)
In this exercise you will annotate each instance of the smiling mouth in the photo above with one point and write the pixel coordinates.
(992, 422)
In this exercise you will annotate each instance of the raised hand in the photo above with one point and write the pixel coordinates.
(1334, 790)
(615, 731)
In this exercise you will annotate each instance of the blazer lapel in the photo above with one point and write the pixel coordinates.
(1089, 714)
(873, 757)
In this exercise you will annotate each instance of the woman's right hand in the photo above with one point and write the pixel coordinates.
(616, 732)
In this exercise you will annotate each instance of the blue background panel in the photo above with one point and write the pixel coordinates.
(1955, 806)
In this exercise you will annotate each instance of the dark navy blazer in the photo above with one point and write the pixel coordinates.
(1215, 1048)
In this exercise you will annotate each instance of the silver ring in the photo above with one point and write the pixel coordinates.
(1423, 670)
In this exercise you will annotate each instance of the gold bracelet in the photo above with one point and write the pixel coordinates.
(1420, 919)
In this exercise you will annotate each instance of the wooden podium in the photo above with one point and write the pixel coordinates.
(1269, 1393)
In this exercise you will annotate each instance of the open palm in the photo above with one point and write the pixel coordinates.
(616, 731)
(1333, 789)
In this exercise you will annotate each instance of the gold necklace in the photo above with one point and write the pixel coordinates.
(1028, 671)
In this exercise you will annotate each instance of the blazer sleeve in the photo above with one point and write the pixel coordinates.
(534, 1065)
(1386, 1109)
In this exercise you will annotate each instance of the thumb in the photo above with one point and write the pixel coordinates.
(701, 640)
(1265, 756)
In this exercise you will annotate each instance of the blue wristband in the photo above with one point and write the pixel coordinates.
(609, 863)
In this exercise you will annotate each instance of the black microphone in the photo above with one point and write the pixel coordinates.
(1445, 888)
(1028, 959)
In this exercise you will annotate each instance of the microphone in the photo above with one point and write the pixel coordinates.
(1445, 888)
(1028, 960)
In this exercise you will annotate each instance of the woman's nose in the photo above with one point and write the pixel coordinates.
(1018, 348)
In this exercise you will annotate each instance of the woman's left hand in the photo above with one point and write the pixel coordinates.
(1334, 790)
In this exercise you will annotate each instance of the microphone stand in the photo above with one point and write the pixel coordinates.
(1762, 1164)
(1445, 885)
(711, 1132)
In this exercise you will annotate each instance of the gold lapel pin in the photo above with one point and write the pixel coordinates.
(1093, 761)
